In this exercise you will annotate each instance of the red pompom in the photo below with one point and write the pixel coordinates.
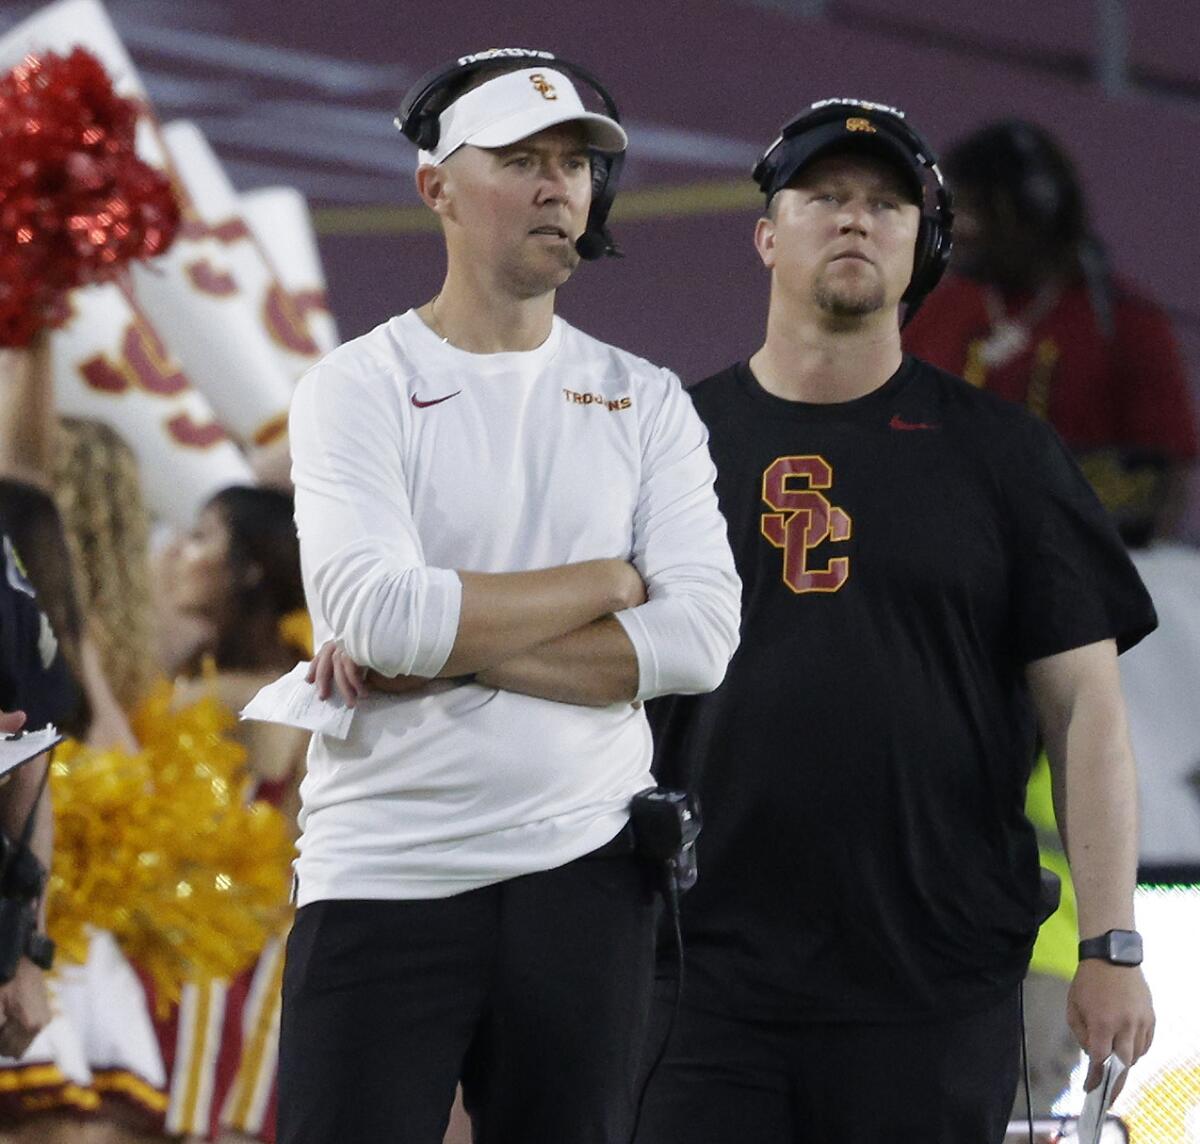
(76, 203)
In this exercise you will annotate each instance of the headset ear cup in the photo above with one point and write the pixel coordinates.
(922, 253)
(596, 240)
(426, 131)
(601, 171)
(930, 259)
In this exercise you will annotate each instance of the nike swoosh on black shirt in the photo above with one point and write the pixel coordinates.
(898, 422)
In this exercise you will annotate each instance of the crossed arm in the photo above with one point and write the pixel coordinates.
(593, 666)
(1077, 694)
(507, 619)
(594, 632)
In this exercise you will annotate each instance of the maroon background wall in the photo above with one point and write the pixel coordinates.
(302, 92)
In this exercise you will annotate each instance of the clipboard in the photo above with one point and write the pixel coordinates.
(21, 746)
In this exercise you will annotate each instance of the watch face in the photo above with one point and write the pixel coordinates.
(1124, 947)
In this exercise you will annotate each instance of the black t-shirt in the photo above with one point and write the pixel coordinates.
(34, 677)
(865, 854)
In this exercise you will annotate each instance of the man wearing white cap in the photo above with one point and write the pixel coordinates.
(512, 526)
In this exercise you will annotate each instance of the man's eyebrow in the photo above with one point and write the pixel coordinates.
(523, 146)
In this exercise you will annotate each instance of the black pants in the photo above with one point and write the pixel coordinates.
(727, 1081)
(535, 992)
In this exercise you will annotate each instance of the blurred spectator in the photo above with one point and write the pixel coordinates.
(238, 572)
(98, 492)
(1034, 313)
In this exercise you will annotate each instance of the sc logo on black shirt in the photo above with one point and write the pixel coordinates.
(804, 518)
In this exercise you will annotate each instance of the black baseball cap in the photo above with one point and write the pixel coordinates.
(845, 125)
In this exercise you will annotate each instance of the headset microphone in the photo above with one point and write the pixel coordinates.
(592, 245)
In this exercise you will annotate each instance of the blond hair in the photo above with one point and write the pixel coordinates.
(98, 491)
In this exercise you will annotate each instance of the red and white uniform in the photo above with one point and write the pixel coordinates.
(98, 1054)
(1126, 388)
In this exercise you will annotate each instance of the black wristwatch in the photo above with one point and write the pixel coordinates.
(1117, 947)
(40, 950)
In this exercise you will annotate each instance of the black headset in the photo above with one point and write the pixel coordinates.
(418, 119)
(935, 234)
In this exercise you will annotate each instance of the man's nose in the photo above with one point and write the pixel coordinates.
(555, 184)
(854, 218)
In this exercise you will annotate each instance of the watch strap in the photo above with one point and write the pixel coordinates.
(1117, 947)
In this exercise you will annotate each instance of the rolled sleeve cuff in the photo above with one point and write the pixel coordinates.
(412, 629)
(674, 658)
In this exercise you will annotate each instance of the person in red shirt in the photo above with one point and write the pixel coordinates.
(1033, 313)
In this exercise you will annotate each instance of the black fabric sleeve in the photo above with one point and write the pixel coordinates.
(1074, 583)
(34, 677)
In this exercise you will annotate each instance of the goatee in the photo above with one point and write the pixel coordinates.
(848, 303)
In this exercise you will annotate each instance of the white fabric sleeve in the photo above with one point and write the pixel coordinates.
(687, 631)
(365, 573)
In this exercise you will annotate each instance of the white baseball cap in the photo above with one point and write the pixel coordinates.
(514, 106)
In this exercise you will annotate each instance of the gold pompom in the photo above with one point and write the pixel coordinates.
(162, 849)
(296, 629)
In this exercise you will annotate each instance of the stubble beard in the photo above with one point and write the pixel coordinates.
(530, 277)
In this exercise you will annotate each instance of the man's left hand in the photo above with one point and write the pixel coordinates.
(1109, 1010)
(24, 1009)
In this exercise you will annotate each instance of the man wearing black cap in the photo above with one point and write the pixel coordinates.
(929, 583)
(519, 521)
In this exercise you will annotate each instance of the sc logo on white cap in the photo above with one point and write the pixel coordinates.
(542, 86)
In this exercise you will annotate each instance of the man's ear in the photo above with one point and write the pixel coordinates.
(433, 186)
(764, 241)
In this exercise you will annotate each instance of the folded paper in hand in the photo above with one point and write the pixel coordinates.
(293, 701)
(1097, 1102)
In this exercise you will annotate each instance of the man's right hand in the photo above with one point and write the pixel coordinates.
(331, 667)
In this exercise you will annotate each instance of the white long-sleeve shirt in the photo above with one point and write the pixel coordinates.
(411, 459)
